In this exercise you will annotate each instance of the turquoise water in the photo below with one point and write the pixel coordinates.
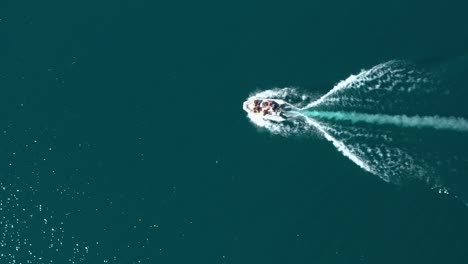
(435, 122)
(123, 139)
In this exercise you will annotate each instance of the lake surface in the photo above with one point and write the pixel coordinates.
(123, 137)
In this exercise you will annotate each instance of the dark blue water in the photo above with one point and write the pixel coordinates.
(123, 139)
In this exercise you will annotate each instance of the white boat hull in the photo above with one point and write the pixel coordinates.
(276, 117)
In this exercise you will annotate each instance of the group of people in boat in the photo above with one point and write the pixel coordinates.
(266, 107)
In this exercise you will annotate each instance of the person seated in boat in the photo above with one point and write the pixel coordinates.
(267, 105)
(257, 109)
(274, 106)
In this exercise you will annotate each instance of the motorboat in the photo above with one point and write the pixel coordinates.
(269, 109)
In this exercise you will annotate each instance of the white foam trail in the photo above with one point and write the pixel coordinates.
(340, 146)
(341, 85)
(347, 83)
(394, 155)
(435, 122)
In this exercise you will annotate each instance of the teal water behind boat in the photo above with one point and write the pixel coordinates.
(435, 122)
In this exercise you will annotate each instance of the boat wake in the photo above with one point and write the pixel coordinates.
(435, 122)
(397, 121)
